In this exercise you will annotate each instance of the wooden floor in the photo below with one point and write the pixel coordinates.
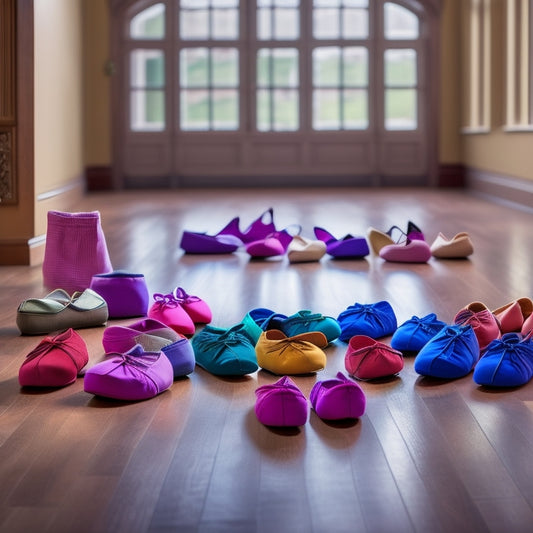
(427, 456)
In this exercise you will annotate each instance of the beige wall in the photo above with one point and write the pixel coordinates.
(58, 105)
(499, 152)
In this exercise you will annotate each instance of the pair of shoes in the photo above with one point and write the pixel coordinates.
(131, 376)
(229, 238)
(344, 248)
(507, 362)
(273, 244)
(458, 247)
(304, 321)
(379, 239)
(152, 335)
(367, 358)
(180, 311)
(55, 362)
(482, 320)
(374, 320)
(283, 404)
(515, 316)
(58, 311)
(452, 353)
(413, 334)
(303, 250)
(225, 352)
(297, 354)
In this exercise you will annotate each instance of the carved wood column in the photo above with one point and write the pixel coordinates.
(8, 175)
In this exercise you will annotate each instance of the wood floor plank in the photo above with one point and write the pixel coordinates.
(428, 455)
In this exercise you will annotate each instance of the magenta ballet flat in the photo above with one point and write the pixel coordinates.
(337, 398)
(281, 404)
(348, 246)
(168, 310)
(258, 229)
(274, 244)
(194, 306)
(230, 237)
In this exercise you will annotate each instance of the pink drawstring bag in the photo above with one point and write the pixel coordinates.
(75, 251)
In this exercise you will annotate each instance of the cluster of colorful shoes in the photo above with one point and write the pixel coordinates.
(134, 372)
(283, 404)
(278, 343)
(261, 239)
(410, 246)
(496, 345)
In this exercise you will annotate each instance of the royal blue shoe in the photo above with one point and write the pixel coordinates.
(301, 322)
(225, 352)
(413, 334)
(507, 362)
(450, 354)
(373, 320)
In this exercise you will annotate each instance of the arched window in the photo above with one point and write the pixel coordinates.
(274, 91)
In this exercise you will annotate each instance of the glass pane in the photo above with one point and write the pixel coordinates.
(327, 3)
(400, 67)
(285, 67)
(355, 72)
(355, 116)
(194, 110)
(355, 24)
(225, 110)
(326, 109)
(194, 67)
(194, 24)
(400, 23)
(225, 63)
(400, 109)
(286, 3)
(264, 24)
(263, 110)
(326, 23)
(149, 24)
(147, 110)
(147, 68)
(326, 66)
(355, 3)
(286, 24)
(192, 4)
(285, 110)
(225, 24)
(225, 3)
(263, 67)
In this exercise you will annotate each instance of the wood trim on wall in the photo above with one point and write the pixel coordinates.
(508, 189)
(8, 102)
(452, 175)
(99, 178)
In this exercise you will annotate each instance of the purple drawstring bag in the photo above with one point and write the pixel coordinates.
(75, 250)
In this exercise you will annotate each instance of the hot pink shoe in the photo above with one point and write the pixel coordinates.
(482, 320)
(410, 251)
(194, 306)
(274, 244)
(170, 311)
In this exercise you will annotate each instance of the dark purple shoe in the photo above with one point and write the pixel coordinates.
(347, 247)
